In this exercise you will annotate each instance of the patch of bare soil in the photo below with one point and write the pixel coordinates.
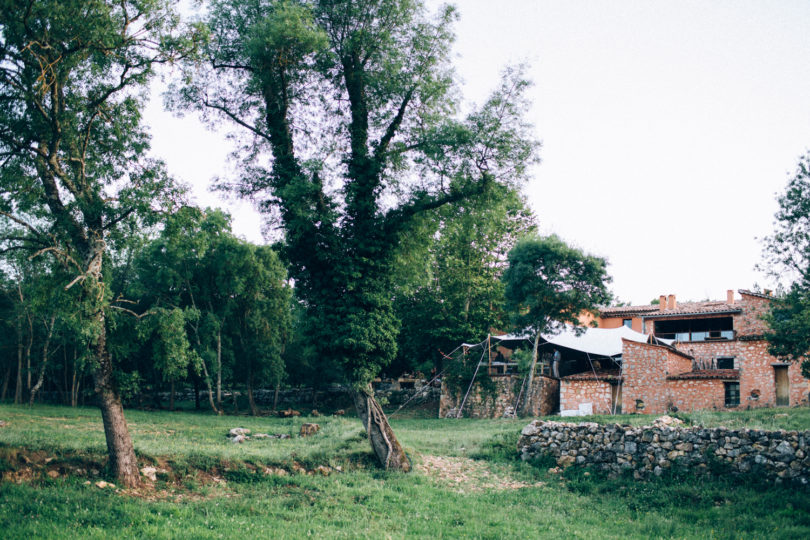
(159, 480)
(465, 475)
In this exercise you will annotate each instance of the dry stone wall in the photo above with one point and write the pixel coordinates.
(501, 402)
(779, 456)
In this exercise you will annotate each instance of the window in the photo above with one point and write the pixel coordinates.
(628, 323)
(732, 394)
(712, 329)
(725, 362)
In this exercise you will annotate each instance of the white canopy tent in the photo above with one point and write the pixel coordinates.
(595, 341)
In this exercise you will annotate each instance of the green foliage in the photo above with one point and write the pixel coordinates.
(354, 103)
(787, 255)
(462, 299)
(549, 283)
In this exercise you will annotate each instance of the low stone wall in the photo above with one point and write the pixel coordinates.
(482, 404)
(779, 456)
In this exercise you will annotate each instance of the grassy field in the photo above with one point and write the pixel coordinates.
(467, 483)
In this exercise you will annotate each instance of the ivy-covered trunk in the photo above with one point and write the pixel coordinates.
(386, 447)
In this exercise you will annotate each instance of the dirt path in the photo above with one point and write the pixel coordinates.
(465, 475)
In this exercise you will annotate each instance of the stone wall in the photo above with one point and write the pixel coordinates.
(483, 404)
(574, 392)
(778, 456)
(696, 394)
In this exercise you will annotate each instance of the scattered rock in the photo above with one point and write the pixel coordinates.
(261, 436)
(150, 473)
(315, 413)
(309, 429)
(288, 413)
(340, 412)
(101, 484)
(667, 420)
(239, 439)
(3, 423)
(325, 471)
(238, 431)
(86, 482)
(48, 459)
(53, 474)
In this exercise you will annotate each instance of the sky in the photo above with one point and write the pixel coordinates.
(667, 130)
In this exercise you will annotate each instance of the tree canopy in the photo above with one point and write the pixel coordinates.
(351, 115)
(787, 254)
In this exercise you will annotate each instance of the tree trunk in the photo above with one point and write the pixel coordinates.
(275, 396)
(217, 410)
(219, 372)
(5, 385)
(383, 441)
(45, 347)
(528, 400)
(18, 387)
(123, 462)
(251, 402)
(195, 380)
(28, 347)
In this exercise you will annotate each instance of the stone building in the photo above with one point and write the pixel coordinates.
(719, 358)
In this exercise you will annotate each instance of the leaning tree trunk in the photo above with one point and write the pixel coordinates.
(119, 444)
(383, 441)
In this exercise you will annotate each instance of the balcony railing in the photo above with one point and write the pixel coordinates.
(708, 335)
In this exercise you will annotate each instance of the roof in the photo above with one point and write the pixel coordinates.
(704, 374)
(684, 308)
(595, 341)
(757, 294)
(609, 375)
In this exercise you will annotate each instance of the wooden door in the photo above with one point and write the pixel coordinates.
(780, 374)
(616, 398)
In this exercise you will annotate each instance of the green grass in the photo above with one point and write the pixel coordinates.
(367, 503)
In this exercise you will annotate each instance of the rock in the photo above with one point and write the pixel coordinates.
(288, 413)
(339, 412)
(566, 461)
(667, 421)
(239, 439)
(530, 430)
(101, 484)
(315, 413)
(53, 474)
(150, 473)
(86, 482)
(308, 429)
(261, 436)
(321, 469)
(3, 423)
(235, 432)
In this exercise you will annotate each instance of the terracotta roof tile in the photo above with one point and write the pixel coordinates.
(707, 374)
(683, 308)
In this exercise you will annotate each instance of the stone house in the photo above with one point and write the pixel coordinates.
(718, 360)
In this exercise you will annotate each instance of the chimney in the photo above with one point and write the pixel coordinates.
(730, 297)
(662, 302)
(671, 302)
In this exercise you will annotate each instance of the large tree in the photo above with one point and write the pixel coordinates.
(549, 284)
(74, 164)
(787, 257)
(350, 106)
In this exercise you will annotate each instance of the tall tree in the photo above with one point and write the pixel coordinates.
(352, 102)
(787, 257)
(548, 284)
(72, 76)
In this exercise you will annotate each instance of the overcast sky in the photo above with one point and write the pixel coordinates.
(668, 127)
